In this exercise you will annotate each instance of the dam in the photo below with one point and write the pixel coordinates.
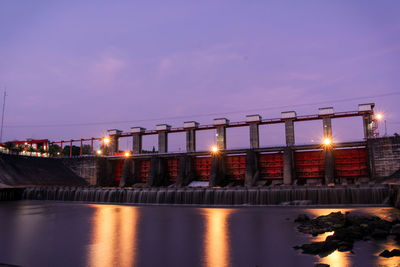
(324, 173)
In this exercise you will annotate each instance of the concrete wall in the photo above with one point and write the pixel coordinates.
(21, 171)
(384, 156)
(85, 167)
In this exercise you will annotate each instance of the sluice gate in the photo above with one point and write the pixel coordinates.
(307, 165)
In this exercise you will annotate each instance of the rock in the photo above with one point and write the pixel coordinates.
(379, 234)
(347, 229)
(388, 254)
(321, 265)
(395, 229)
(302, 218)
(345, 246)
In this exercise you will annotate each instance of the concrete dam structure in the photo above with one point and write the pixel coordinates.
(328, 173)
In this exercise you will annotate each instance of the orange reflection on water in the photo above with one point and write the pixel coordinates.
(113, 241)
(388, 244)
(217, 237)
(336, 258)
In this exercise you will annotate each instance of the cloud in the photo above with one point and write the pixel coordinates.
(105, 69)
(198, 60)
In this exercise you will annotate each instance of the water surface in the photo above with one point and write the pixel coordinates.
(46, 233)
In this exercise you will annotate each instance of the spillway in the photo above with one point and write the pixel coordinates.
(283, 195)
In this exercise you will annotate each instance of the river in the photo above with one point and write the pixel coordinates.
(49, 233)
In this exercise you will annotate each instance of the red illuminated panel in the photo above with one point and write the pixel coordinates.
(236, 167)
(144, 168)
(309, 164)
(271, 166)
(118, 166)
(202, 167)
(173, 165)
(351, 163)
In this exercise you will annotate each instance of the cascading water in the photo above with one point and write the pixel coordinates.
(7, 194)
(283, 195)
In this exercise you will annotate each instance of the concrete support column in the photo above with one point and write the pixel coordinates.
(218, 170)
(288, 166)
(288, 117)
(325, 114)
(137, 133)
(162, 130)
(190, 127)
(114, 138)
(289, 170)
(186, 171)
(367, 110)
(220, 125)
(329, 162)
(158, 172)
(252, 169)
(327, 124)
(289, 132)
(329, 159)
(254, 121)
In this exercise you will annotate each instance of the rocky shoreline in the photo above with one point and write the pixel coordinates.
(347, 229)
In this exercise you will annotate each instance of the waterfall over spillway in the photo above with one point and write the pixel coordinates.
(283, 195)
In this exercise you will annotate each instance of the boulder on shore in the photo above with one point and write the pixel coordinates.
(347, 229)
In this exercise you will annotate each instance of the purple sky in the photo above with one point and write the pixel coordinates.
(146, 62)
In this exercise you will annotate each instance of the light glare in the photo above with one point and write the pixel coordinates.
(327, 141)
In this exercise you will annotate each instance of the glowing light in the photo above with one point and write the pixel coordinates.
(327, 142)
(58, 153)
(214, 149)
(379, 116)
(106, 140)
(217, 235)
(127, 154)
(99, 152)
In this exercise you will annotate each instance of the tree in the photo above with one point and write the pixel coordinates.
(54, 150)
(10, 146)
(86, 150)
(75, 151)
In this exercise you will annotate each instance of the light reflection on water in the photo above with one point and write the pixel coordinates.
(216, 241)
(113, 241)
(337, 258)
(70, 234)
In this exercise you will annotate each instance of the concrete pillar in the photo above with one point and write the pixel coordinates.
(162, 130)
(114, 135)
(252, 169)
(218, 170)
(254, 121)
(220, 125)
(329, 162)
(288, 117)
(158, 172)
(137, 133)
(288, 166)
(327, 124)
(288, 154)
(367, 110)
(186, 171)
(329, 159)
(190, 127)
(325, 114)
